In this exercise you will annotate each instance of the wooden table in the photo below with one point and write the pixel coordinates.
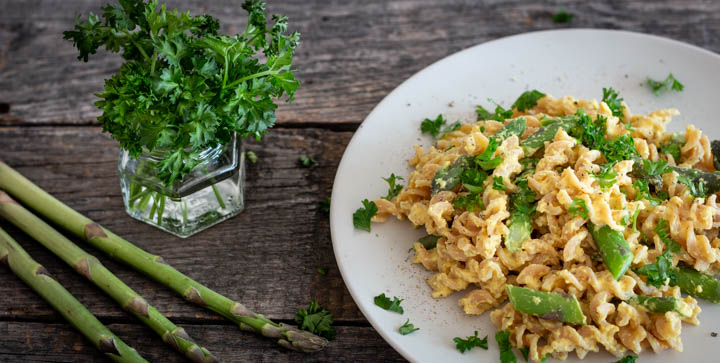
(352, 54)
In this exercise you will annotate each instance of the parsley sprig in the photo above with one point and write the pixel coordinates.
(614, 102)
(627, 359)
(578, 207)
(470, 342)
(183, 87)
(389, 305)
(393, 188)
(438, 126)
(660, 273)
(606, 176)
(407, 328)
(362, 216)
(316, 320)
(670, 83)
(506, 353)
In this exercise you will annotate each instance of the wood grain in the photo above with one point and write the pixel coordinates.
(352, 53)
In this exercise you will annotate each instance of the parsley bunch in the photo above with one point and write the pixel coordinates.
(183, 87)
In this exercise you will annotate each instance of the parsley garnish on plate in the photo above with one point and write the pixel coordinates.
(660, 273)
(527, 100)
(614, 102)
(627, 359)
(606, 176)
(407, 328)
(316, 320)
(437, 126)
(506, 354)
(393, 188)
(578, 207)
(562, 16)
(387, 304)
(362, 216)
(500, 113)
(485, 160)
(498, 183)
(306, 161)
(470, 342)
(670, 83)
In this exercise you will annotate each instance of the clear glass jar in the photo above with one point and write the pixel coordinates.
(211, 193)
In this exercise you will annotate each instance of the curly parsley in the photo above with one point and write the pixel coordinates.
(362, 216)
(470, 342)
(316, 320)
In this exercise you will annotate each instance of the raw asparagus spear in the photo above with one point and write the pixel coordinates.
(661, 304)
(152, 265)
(615, 250)
(89, 266)
(546, 305)
(696, 283)
(37, 277)
(448, 178)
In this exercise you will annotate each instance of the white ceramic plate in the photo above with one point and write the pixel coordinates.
(578, 63)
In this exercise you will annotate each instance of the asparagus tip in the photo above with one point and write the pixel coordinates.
(301, 340)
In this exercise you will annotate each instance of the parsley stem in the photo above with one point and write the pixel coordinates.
(152, 65)
(218, 197)
(142, 51)
(256, 75)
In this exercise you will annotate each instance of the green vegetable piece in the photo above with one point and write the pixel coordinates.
(448, 178)
(389, 305)
(527, 100)
(525, 351)
(500, 113)
(562, 16)
(696, 283)
(316, 320)
(520, 222)
(670, 83)
(437, 126)
(578, 207)
(506, 353)
(715, 147)
(628, 359)
(606, 176)
(514, 127)
(673, 148)
(661, 304)
(660, 273)
(252, 157)
(537, 141)
(498, 183)
(615, 250)
(407, 328)
(362, 216)
(393, 188)
(322, 270)
(429, 241)
(546, 305)
(306, 161)
(324, 206)
(614, 102)
(470, 342)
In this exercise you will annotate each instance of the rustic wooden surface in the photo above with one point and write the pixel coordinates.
(353, 53)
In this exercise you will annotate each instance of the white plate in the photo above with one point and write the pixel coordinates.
(578, 63)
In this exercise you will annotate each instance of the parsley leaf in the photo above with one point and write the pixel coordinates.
(619, 149)
(184, 88)
(470, 342)
(407, 328)
(527, 100)
(387, 304)
(673, 149)
(627, 359)
(306, 161)
(614, 102)
(470, 202)
(697, 189)
(562, 16)
(500, 113)
(525, 351)
(660, 273)
(642, 191)
(506, 354)
(322, 270)
(394, 189)
(252, 157)
(485, 160)
(316, 320)
(324, 206)
(606, 176)
(498, 183)
(578, 207)
(437, 126)
(362, 216)
(670, 83)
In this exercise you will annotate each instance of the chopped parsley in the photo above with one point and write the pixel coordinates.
(498, 183)
(592, 134)
(619, 149)
(660, 273)
(562, 16)
(429, 241)
(393, 188)
(362, 216)
(525, 351)
(697, 189)
(407, 328)
(527, 100)
(437, 127)
(306, 161)
(316, 320)
(469, 202)
(252, 157)
(503, 340)
(500, 113)
(673, 149)
(387, 304)
(470, 342)
(614, 102)
(606, 176)
(670, 83)
(628, 359)
(486, 160)
(322, 270)
(578, 207)
(324, 206)
(642, 191)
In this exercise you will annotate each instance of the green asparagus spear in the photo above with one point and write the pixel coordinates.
(536, 141)
(37, 277)
(702, 182)
(546, 305)
(514, 127)
(661, 305)
(696, 283)
(715, 147)
(615, 250)
(89, 266)
(152, 265)
(521, 210)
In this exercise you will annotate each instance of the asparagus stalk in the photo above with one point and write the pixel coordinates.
(521, 210)
(152, 265)
(37, 277)
(709, 182)
(546, 133)
(514, 127)
(89, 266)
(615, 250)
(696, 283)
(715, 147)
(661, 305)
(546, 305)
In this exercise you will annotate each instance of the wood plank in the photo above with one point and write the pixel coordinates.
(35, 342)
(266, 257)
(352, 54)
